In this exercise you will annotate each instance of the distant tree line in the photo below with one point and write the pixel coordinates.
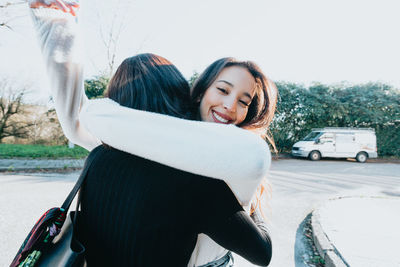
(10, 107)
(371, 105)
(26, 123)
(300, 109)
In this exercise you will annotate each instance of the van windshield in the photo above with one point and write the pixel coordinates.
(312, 136)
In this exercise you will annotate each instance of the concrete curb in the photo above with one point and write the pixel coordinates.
(324, 246)
(39, 164)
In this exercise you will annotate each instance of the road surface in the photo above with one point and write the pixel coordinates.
(297, 187)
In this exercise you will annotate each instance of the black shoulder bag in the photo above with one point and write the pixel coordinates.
(51, 242)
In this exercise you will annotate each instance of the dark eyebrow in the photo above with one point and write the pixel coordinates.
(248, 95)
(230, 84)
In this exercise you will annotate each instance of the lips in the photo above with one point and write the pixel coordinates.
(220, 118)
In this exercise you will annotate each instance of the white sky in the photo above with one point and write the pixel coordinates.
(298, 41)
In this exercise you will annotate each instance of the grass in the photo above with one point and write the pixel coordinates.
(41, 151)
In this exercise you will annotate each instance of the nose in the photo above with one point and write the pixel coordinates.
(230, 104)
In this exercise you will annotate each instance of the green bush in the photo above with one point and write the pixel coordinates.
(371, 105)
(96, 87)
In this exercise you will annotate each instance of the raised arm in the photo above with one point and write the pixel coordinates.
(58, 32)
(225, 152)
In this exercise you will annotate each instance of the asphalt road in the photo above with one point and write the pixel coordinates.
(297, 187)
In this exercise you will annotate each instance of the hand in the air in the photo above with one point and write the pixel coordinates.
(65, 6)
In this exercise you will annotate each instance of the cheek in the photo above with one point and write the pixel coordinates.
(204, 107)
(241, 115)
(207, 101)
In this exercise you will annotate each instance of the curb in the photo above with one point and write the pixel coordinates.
(324, 246)
(39, 164)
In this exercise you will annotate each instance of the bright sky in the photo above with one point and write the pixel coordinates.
(299, 41)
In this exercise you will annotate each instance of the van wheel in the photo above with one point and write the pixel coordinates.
(361, 157)
(314, 155)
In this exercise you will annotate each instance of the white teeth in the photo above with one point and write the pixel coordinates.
(220, 118)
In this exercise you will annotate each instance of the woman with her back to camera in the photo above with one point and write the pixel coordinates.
(228, 92)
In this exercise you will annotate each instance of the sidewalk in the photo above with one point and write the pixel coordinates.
(358, 231)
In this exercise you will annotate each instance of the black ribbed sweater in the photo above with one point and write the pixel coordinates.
(136, 212)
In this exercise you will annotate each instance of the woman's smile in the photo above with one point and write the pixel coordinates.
(221, 118)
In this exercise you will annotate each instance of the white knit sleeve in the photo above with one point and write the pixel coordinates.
(60, 43)
(225, 152)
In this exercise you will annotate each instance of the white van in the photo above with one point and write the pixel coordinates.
(358, 143)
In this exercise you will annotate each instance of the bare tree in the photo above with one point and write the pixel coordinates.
(11, 107)
(111, 29)
(54, 131)
(38, 126)
(110, 41)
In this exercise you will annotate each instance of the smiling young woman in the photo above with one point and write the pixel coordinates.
(236, 92)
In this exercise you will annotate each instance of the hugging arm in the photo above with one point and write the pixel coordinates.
(248, 237)
(59, 39)
(226, 152)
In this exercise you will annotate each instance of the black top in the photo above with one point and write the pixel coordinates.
(136, 212)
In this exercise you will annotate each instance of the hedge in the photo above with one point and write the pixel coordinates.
(371, 105)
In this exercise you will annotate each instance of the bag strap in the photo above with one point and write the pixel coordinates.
(74, 191)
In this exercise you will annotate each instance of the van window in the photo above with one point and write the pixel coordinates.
(326, 138)
(312, 136)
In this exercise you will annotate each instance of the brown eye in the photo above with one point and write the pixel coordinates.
(244, 103)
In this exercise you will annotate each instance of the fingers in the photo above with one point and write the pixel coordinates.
(67, 7)
(61, 5)
(73, 6)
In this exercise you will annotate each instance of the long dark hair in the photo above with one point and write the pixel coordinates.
(151, 83)
(261, 109)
